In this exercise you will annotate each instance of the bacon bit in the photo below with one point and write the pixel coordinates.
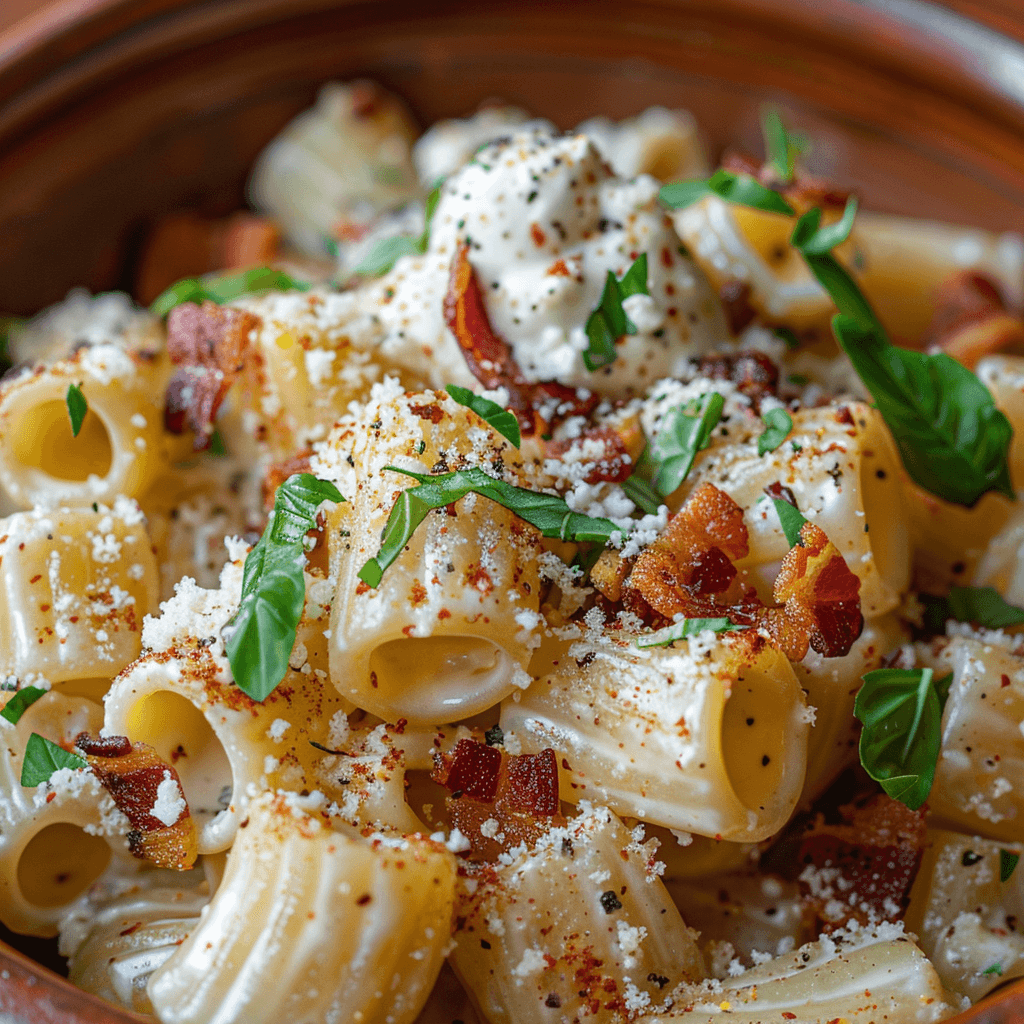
(489, 357)
(971, 320)
(877, 851)
(559, 269)
(779, 490)
(520, 792)
(209, 344)
(843, 415)
(735, 298)
(615, 465)
(753, 373)
(278, 472)
(132, 773)
(431, 412)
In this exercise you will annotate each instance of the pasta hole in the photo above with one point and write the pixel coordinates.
(754, 754)
(42, 440)
(440, 678)
(181, 735)
(59, 863)
(887, 533)
(93, 688)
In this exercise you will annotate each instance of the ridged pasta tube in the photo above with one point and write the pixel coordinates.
(126, 927)
(967, 919)
(312, 924)
(180, 698)
(121, 447)
(866, 980)
(56, 839)
(447, 632)
(74, 587)
(707, 736)
(841, 467)
(580, 925)
(979, 777)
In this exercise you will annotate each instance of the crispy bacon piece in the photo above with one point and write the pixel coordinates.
(519, 793)
(144, 786)
(865, 866)
(971, 320)
(689, 571)
(753, 373)
(489, 356)
(614, 464)
(278, 472)
(209, 344)
(734, 295)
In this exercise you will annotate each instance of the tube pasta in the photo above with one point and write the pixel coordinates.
(978, 779)
(578, 925)
(58, 838)
(180, 698)
(74, 587)
(966, 918)
(122, 446)
(1001, 566)
(707, 736)
(845, 474)
(448, 631)
(313, 924)
(864, 980)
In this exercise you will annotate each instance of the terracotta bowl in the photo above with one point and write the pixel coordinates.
(115, 112)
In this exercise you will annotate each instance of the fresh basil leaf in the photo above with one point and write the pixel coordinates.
(983, 605)
(608, 322)
(21, 701)
(791, 519)
(261, 634)
(225, 288)
(549, 513)
(388, 251)
(682, 435)
(642, 493)
(788, 336)
(77, 408)
(684, 628)
(781, 147)
(1007, 864)
(741, 189)
(778, 424)
(952, 439)
(996, 969)
(503, 421)
(901, 711)
(813, 240)
(43, 757)
(217, 446)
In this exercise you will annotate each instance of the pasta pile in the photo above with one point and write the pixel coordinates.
(517, 580)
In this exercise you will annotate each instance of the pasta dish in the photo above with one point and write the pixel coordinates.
(517, 577)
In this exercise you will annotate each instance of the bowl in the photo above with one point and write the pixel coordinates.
(114, 113)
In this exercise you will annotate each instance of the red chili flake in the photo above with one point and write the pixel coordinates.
(1004, 680)
(431, 412)
(843, 415)
(538, 236)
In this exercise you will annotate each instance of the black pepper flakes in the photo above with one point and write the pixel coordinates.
(610, 902)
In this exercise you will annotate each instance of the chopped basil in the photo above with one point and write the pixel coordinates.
(982, 605)
(996, 969)
(791, 340)
(77, 408)
(901, 710)
(741, 189)
(225, 288)
(262, 633)
(43, 757)
(684, 431)
(549, 513)
(1007, 864)
(952, 439)
(503, 421)
(684, 628)
(20, 703)
(608, 322)
(778, 424)
(791, 519)
(217, 446)
(781, 147)
(388, 251)
(642, 493)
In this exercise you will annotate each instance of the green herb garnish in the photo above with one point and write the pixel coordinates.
(77, 408)
(684, 628)
(642, 493)
(778, 424)
(262, 632)
(224, 289)
(217, 446)
(996, 969)
(8, 323)
(901, 711)
(608, 322)
(550, 514)
(791, 519)
(21, 701)
(1007, 864)
(503, 421)
(684, 431)
(388, 251)
(43, 757)
(781, 147)
(983, 605)
(741, 189)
